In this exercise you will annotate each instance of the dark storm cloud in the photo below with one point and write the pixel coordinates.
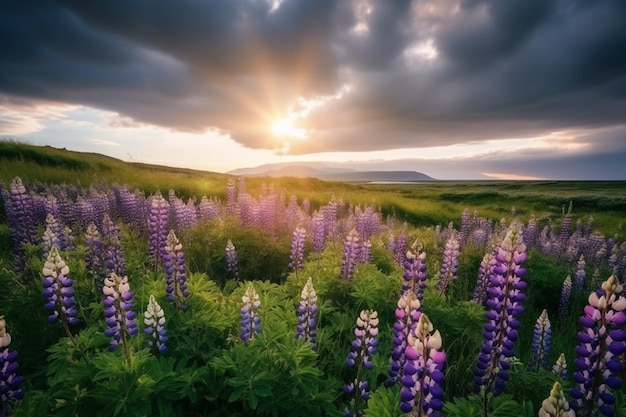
(506, 68)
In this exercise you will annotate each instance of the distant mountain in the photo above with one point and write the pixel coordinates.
(325, 171)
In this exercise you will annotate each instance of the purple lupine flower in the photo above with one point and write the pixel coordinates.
(482, 282)
(423, 371)
(407, 314)
(58, 290)
(364, 345)
(158, 228)
(350, 256)
(503, 303)
(112, 247)
(579, 276)
(560, 367)
(232, 263)
(530, 232)
(10, 381)
(331, 227)
(250, 320)
(414, 276)
(566, 293)
(542, 338)
(19, 210)
(296, 254)
(556, 405)
(465, 226)
(208, 209)
(154, 319)
(175, 271)
(602, 342)
(307, 309)
(449, 265)
(118, 312)
(231, 198)
(365, 252)
(319, 234)
(94, 256)
(565, 226)
(50, 236)
(400, 245)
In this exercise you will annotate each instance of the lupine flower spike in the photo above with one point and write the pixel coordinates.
(421, 393)
(154, 319)
(407, 314)
(232, 264)
(175, 271)
(250, 320)
(58, 291)
(10, 381)
(414, 276)
(363, 347)
(560, 367)
(118, 312)
(307, 310)
(540, 349)
(296, 255)
(503, 308)
(601, 343)
(449, 265)
(555, 405)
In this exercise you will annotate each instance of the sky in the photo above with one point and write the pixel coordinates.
(456, 89)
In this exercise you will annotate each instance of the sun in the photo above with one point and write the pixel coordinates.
(284, 128)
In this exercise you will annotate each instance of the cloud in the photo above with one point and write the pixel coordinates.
(420, 73)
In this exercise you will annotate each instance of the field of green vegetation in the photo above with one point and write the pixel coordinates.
(351, 240)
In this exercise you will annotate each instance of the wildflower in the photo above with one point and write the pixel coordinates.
(175, 271)
(566, 293)
(363, 347)
(503, 308)
(423, 371)
(50, 236)
(118, 311)
(449, 265)
(407, 314)
(19, 208)
(296, 254)
(555, 405)
(601, 343)
(232, 264)
(540, 349)
(560, 367)
(58, 289)
(157, 228)
(414, 276)
(350, 256)
(10, 381)
(319, 236)
(579, 276)
(154, 319)
(112, 247)
(250, 321)
(307, 310)
(482, 282)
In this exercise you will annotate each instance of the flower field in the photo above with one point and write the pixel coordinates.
(256, 302)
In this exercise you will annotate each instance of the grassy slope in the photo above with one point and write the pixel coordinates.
(419, 204)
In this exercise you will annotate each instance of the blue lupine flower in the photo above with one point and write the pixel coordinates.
(10, 381)
(307, 310)
(560, 367)
(364, 345)
(449, 264)
(158, 227)
(154, 319)
(566, 293)
(602, 342)
(407, 314)
(421, 390)
(351, 255)
(503, 303)
(250, 320)
(482, 282)
(232, 263)
(175, 271)
(414, 276)
(118, 311)
(555, 405)
(58, 289)
(296, 254)
(112, 247)
(542, 337)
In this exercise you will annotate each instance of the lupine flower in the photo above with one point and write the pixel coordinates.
(175, 271)
(566, 293)
(555, 405)
(560, 367)
(503, 303)
(319, 234)
(414, 276)
(50, 236)
(10, 381)
(232, 263)
(421, 393)
(363, 347)
(465, 225)
(400, 246)
(19, 208)
(542, 337)
(112, 247)
(307, 310)
(58, 289)
(350, 256)
(93, 256)
(118, 311)
(365, 252)
(449, 265)
(154, 319)
(296, 254)
(158, 228)
(250, 320)
(579, 276)
(407, 314)
(601, 343)
(482, 282)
